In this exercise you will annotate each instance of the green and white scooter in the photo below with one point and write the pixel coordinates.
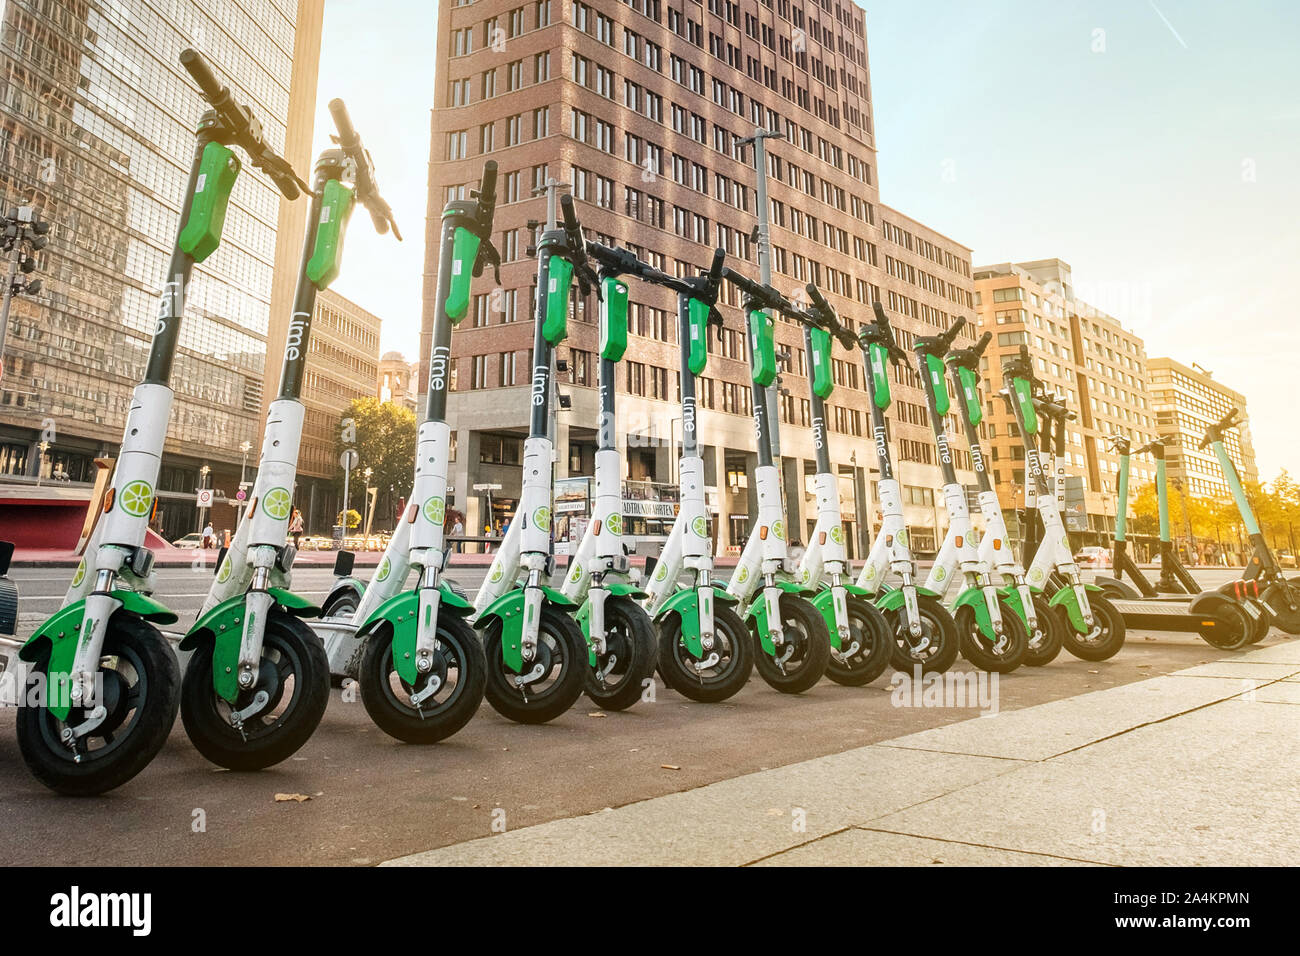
(418, 662)
(537, 658)
(1091, 628)
(992, 633)
(1029, 603)
(257, 682)
(1263, 578)
(1236, 622)
(924, 632)
(861, 638)
(705, 649)
(791, 634)
(105, 685)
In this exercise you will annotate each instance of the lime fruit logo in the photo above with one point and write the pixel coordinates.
(614, 524)
(136, 498)
(902, 538)
(940, 574)
(223, 575)
(384, 568)
(497, 573)
(278, 503)
(435, 510)
(700, 526)
(81, 573)
(778, 530)
(742, 575)
(576, 574)
(542, 518)
(871, 572)
(1035, 575)
(837, 534)
(662, 572)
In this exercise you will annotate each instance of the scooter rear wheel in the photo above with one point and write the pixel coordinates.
(1233, 628)
(1106, 637)
(141, 693)
(340, 603)
(869, 629)
(293, 671)
(716, 683)
(631, 642)
(937, 625)
(561, 651)
(977, 649)
(1045, 640)
(808, 644)
(458, 664)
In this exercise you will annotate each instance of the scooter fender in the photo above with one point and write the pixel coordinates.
(891, 599)
(757, 612)
(58, 637)
(1009, 595)
(974, 599)
(583, 617)
(401, 612)
(824, 602)
(224, 624)
(509, 608)
(344, 586)
(1207, 602)
(1065, 597)
(684, 603)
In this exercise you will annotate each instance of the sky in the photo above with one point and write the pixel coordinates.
(1153, 146)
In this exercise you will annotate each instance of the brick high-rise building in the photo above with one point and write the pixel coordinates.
(640, 107)
(1187, 401)
(1086, 357)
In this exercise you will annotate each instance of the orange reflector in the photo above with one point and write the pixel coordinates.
(411, 512)
(252, 508)
(596, 526)
(821, 538)
(959, 541)
(762, 533)
(108, 500)
(889, 540)
(997, 544)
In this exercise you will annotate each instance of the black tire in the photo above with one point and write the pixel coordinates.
(1233, 628)
(1106, 638)
(1283, 616)
(1261, 627)
(869, 628)
(1118, 591)
(630, 639)
(561, 650)
(141, 694)
(807, 641)
(458, 663)
(938, 627)
(1003, 657)
(727, 677)
(1045, 640)
(341, 602)
(290, 652)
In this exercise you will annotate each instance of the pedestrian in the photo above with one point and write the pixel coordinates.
(295, 528)
(209, 537)
(457, 531)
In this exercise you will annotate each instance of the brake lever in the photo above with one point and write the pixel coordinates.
(487, 255)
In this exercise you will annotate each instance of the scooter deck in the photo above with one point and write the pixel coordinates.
(1165, 614)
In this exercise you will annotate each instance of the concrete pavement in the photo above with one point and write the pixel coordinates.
(1197, 767)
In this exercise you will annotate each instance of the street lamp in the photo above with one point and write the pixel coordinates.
(369, 505)
(204, 471)
(21, 234)
(245, 447)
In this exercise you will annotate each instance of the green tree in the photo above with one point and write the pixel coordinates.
(384, 436)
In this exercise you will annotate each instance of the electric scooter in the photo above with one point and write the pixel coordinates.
(990, 639)
(861, 638)
(419, 663)
(536, 656)
(1263, 578)
(1233, 625)
(104, 685)
(1041, 625)
(257, 682)
(705, 650)
(924, 632)
(622, 646)
(791, 636)
(1091, 628)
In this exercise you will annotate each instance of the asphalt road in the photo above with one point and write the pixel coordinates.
(373, 798)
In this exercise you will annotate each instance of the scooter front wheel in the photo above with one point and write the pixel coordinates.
(801, 660)
(459, 668)
(1000, 657)
(1103, 640)
(683, 672)
(631, 653)
(1276, 596)
(1045, 640)
(562, 657)
(938, 632)
(140, 690)
(294, 674)
(870, 631)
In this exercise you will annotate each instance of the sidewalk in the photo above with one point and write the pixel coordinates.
(1195, 768)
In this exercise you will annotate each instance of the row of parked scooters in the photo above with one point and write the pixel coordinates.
(256, 676)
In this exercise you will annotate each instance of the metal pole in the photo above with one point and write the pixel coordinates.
(765, 273)
(14, 258)
(347, 473)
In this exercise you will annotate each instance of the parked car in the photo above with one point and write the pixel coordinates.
(1093, 556)
(190, 542)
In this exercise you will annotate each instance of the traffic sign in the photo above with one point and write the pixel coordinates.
(348, 460)
(204, 498)
(240, 495)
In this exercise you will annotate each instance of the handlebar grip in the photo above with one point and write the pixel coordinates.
(715, 270)
(815, 294)
(197, 66)
(487, 190)
(954, 328)
(570, 216)
(343, 123)
(983, 343)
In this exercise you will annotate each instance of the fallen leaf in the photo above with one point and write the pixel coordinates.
(597, 713)
(1094, 672)
(669, 766)
(291, 797)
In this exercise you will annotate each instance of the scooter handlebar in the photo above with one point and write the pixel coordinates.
(884, 331)
(349, 140)
(1215, 431)
(200, 70)
(823, 315)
